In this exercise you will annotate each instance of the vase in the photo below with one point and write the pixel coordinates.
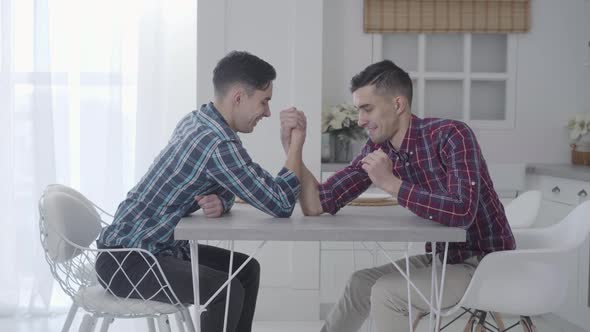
(340, 149)
(326, 149)
(581, 151)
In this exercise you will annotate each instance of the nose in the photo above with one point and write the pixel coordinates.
(266, 113)
(362, 121)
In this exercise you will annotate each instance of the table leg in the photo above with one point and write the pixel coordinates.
(410, 318)
(231, 264)
(442, 283)
(196, 316)
(432, 286)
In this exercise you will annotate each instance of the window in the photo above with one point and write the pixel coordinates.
(462, 76)
(85, 74)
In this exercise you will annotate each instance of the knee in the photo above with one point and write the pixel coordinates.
(359, 281)
(254, 267)
(387, 291)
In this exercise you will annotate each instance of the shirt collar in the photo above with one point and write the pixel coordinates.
(215, 120)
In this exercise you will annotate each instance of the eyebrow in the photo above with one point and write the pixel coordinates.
(364, 106)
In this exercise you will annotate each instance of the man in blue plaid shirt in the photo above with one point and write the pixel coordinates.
(204, 166)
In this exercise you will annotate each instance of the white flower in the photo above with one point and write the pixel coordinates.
(579, 126)
(338, 117)
(342, 121)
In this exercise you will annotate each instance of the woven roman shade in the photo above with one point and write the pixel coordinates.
(481, 16)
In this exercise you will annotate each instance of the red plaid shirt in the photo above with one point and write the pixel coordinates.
(444, 179)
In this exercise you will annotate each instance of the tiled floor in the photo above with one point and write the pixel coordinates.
(53, 324)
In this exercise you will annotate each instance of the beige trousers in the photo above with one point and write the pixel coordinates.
(382, 293)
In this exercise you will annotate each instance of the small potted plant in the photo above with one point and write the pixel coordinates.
(579, 128)
(340, 123)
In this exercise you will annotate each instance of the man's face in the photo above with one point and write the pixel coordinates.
(377, 113)
(252, 108)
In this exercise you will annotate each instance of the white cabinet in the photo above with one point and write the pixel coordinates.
(560, 196)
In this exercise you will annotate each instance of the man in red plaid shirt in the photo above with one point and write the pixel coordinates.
(435, 168)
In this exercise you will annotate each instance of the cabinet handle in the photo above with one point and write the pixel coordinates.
(556, 190)
(582, 193)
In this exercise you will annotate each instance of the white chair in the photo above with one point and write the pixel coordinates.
(522, 211)
(69, 225)
(528, 281)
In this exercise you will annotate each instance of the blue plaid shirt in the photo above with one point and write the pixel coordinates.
(204, 156)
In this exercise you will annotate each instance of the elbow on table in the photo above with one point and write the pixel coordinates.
(311, 211)
(463, 219)
(283, 211)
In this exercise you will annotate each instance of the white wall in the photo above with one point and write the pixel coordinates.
(347, 49)
(552, 81)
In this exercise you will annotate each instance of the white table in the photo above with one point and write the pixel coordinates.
(367, 224)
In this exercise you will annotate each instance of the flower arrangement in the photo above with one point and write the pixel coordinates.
(341, 121)
(579, 126)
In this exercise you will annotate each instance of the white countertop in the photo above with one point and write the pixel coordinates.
(568, 171)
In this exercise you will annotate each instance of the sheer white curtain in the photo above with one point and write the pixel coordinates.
(89, 92)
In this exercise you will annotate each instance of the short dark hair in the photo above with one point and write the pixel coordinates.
(244, 68)
(387, 77)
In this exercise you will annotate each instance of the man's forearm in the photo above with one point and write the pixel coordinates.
(310, 194)
(392, 186)
(295, 161)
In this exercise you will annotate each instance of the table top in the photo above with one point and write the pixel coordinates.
(352, 223)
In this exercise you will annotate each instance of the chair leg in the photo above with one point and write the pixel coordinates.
(88, 323)
(470, 324)
(163, 323)
(498, 319)
(151, 325)
(482, 321)
(179, 321)
(476, 322)
(527, 324)
(70, 318)
(419, 318)
(188, 320)
(106, 322)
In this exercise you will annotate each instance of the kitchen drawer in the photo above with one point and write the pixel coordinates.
(564, 190)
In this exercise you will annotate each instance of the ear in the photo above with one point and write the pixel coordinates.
(400, 105)
(236, 95)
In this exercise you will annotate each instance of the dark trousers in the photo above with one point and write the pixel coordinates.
(213, 272)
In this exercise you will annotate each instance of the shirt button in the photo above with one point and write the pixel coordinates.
(473, 183)
(408, 164)
(430, 217)
(411, 152)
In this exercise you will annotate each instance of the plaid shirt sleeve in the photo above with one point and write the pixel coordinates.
(231, 167)
(457, 205)
(194, 207)
(344, 186)
(227, 199)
